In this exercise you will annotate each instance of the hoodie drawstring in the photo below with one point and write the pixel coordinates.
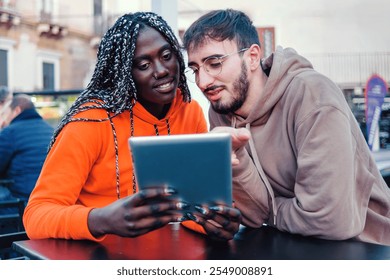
(168, 128)
(260, 170)
(132, 134)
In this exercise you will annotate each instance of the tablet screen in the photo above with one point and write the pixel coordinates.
(197, 166)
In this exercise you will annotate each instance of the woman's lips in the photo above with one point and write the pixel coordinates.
(165, 87)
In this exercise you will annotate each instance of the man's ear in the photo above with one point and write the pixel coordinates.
(16, 112)
(255, 55)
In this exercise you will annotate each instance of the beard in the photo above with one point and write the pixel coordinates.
(239, 95)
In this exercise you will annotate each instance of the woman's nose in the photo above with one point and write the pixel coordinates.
(160, 70)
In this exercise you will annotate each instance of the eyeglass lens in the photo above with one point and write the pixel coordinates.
(212, 65)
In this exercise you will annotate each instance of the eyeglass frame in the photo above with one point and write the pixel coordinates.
(220, 59)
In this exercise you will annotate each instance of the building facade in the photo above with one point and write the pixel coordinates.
(50, 45)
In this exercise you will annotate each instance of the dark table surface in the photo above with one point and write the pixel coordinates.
(174, 242)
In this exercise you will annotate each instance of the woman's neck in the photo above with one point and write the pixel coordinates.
(157, 110)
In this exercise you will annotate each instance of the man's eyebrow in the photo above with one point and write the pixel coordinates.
(191, 63)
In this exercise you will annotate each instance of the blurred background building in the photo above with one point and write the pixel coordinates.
(48, 47)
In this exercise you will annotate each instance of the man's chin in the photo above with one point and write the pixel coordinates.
(223, 110)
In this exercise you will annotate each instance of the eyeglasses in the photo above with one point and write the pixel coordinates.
(212, 65)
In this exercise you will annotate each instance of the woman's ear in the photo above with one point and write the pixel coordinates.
(255, 54)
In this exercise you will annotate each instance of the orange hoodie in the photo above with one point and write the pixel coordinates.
(79, 172)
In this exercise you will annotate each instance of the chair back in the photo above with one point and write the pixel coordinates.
(12, 222)
(6, 240)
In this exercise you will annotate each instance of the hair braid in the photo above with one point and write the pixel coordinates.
(112, 87)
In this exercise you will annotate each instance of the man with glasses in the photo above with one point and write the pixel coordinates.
(303, 164)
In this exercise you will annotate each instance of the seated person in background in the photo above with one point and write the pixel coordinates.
(87, 188)
(307, 168)
(5, 99)
(24, 141)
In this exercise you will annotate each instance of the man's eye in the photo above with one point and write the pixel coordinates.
(213, 63)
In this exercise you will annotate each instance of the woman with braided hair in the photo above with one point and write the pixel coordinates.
(87, 188)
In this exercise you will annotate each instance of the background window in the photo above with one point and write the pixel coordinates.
(48, 76)
(3, 68)
(267, 39)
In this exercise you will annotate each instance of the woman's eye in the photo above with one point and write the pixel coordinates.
(167, 55)
(143, 65)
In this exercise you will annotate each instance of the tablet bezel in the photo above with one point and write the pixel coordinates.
(197, 166)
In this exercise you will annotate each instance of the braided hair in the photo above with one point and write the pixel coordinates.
(112, 87)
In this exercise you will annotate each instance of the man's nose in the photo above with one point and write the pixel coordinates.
(204, 79)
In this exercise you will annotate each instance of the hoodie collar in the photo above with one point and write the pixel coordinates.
(27, 114)
(283, 66)
(141, 113)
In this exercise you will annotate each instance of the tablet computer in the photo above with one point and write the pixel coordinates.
(197, 166)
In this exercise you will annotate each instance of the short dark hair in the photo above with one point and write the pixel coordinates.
(221, 25)
(23, 101)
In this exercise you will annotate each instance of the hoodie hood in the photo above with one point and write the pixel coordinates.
(284, 65)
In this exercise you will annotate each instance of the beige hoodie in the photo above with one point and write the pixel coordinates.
(307, 169)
